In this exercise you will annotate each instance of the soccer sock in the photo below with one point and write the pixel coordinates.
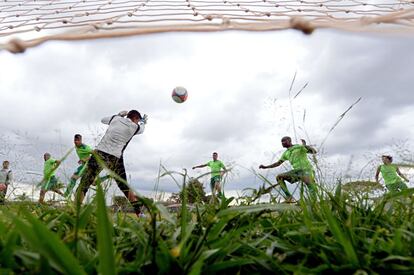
(69, 189)
(284, 188)
(312, 190)
(220, 195)
(403, 186)
(104, 178)
(137, 207)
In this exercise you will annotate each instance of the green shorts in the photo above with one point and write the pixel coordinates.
(396, 187)
(50, 184)
(81, 170)
(214, 180)
(298, 175)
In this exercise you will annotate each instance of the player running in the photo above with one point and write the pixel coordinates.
(84, 153)
(302, 170)
(391, 174)
(50, 181)
(217, 171)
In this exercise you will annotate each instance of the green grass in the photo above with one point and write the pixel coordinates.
(337, 233)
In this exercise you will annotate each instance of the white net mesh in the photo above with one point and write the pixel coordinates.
(36, 21)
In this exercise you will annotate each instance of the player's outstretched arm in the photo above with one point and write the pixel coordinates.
(9, 177)
(144, 119)
(273, 165)
(310, 149)
(402, 175)
(123, 113)
(223, 171)
(200, 166)
(106, 120)
(377, 174)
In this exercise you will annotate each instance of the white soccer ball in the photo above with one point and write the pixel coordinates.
(179, 94)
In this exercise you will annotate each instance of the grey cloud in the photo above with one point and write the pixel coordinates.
(137, 51)
(232, 121)
(376, 69)
(63, 90)
(372, 68)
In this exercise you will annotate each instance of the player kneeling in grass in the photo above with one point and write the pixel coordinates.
(302, 168)
(109, 153)
(50, 181)
(391, 174)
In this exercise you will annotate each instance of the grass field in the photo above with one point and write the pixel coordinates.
(337, 233)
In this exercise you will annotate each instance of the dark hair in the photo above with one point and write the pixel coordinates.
(286, 137)
(215, 153)
(388, 157)
(78, 136)
(134, 114)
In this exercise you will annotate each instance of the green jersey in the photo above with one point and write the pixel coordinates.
(297, 157)
(84, 152)
(48, 169)
(389, 173)
(215, 167)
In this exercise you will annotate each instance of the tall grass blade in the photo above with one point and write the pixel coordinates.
(105, 236)
(48, 244)
(257, 208)
(338, 121)
(301, 90)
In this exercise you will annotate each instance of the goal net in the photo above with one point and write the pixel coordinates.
(25, 24)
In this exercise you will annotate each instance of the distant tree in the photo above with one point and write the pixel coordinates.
(362, 186)
(121, 203)
(174, 198)
(369, 189)
(195, 193)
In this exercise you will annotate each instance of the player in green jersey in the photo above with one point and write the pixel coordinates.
(217, 171)
(84, 153)
(50, 181)
(391, 174)
(302, 170)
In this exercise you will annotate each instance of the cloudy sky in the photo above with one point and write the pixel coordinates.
(238, 102)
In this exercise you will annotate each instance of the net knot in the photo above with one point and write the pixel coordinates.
(225, 21)
(16, 46)
(302, 25)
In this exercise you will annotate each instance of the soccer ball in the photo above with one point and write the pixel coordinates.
(179, 94)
